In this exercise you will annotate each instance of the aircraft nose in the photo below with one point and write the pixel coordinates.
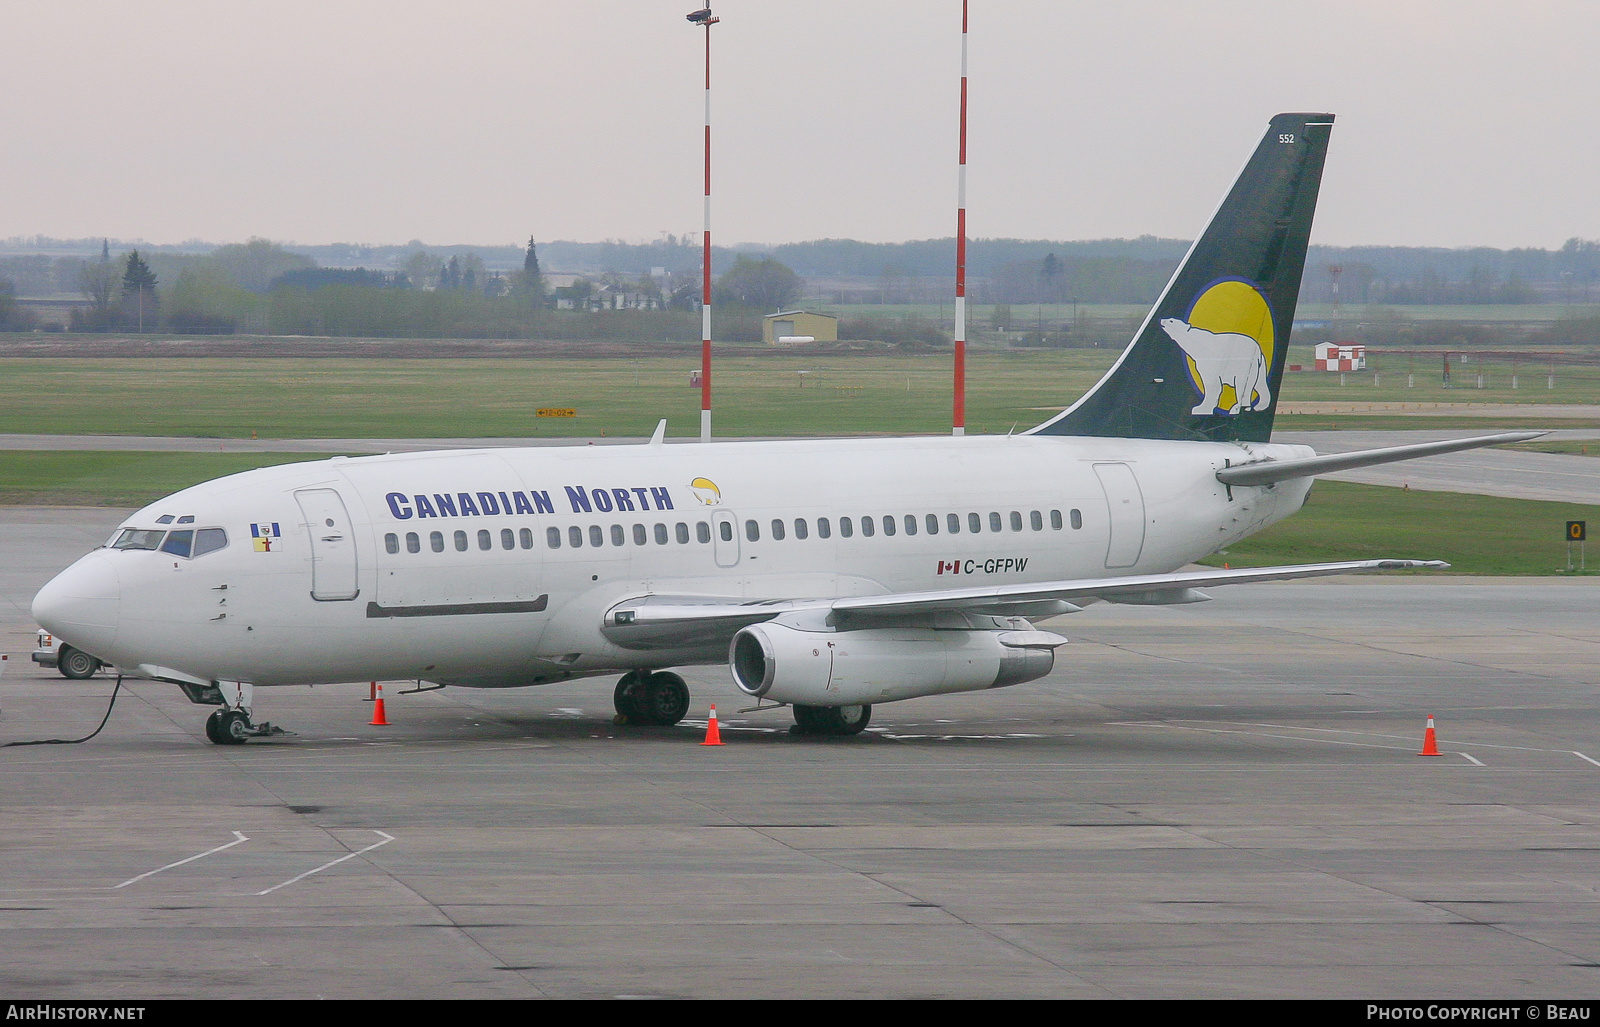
(82, 604)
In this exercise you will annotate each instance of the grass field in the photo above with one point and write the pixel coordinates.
(88, 478)
(1475, 534)
(777, 394)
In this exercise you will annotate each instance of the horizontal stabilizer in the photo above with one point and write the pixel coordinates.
(1266, 472)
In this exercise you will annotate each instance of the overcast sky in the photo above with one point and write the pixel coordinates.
(1460, 123)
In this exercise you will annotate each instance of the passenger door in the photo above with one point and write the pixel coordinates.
(1125, 504)
(333, 545)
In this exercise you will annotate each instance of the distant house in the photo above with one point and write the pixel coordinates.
(790, 327)
(1341, 356)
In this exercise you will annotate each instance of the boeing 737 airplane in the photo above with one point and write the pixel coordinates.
(829, 575)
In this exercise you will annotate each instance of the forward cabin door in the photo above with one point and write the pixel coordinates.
(1126, 506)
(333, 545)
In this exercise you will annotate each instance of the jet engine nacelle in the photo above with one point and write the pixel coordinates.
(876, 665)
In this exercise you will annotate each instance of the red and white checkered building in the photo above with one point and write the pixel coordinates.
(1341, 356)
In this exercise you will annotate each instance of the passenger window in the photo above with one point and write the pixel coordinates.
(824, 529)
(661, 535)
(461, 542)
(483, 539)
(1077, 519)
(911, 524)
(933, 524)
(953, 522)
(725, 529)
(1016, 521)
(209, 540)
(618, 537)
(413, 544)
(597, 536)
(640, 535)
(1055, 520)
(846, 527)
(508, 539)
(179, 543)
(575, 537)
(868, 526)
(436, 541)
(800, 530)
(391, 543)
(752, 531)
(777, 530)
(1035, 520)
(552, 537)
(994, 521)
(974, 523)
(138, 538)
(526, 537)
(888, 524)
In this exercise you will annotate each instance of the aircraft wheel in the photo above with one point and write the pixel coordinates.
(228, 727)
(629, 698)
(76, 664)
(665, 700)
(832, 720)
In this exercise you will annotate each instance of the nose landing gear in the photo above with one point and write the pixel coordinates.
(231, 725)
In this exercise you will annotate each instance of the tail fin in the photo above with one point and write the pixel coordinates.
(1207, 361)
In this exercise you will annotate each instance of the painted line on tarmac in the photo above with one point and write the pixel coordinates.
(387, 838)
(1585, 759)
(239, 837)
(1473, 759)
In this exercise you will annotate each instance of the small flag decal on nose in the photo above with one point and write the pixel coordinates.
(265, 536)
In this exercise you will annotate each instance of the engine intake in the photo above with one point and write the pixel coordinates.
(876, 665)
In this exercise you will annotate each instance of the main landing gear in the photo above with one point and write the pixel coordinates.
(830, 720)
(659, 700)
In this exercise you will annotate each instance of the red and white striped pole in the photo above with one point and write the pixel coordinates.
(959, 418)
(705, 17)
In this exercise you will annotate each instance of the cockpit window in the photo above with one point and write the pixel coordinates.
(179, 543)
(138, 538)
(164, 519)
(209, 540)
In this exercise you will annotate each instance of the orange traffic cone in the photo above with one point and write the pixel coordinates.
(1430, 744)
(378, 718)
(713, 736)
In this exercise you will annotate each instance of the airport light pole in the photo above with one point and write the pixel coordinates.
(959, 412)
(706, 18)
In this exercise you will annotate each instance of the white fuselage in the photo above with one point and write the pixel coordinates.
(461, 566)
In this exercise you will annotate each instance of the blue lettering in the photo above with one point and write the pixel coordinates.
(662, 497)
(505, 502)
(397, 501)
(602, 500)
(644, 504)
(623, 502)
(425, 508)
(579, 501)
(523, 506)
(468, 507)
(487, 501)
(447, 506)
(541, 502)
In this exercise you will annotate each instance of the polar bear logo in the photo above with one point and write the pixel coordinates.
(1223, 359)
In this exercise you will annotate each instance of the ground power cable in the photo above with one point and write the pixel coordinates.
(85, 738)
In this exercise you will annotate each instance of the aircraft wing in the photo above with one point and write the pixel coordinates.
(668, 622)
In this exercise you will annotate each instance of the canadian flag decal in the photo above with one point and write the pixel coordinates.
(953, 567)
